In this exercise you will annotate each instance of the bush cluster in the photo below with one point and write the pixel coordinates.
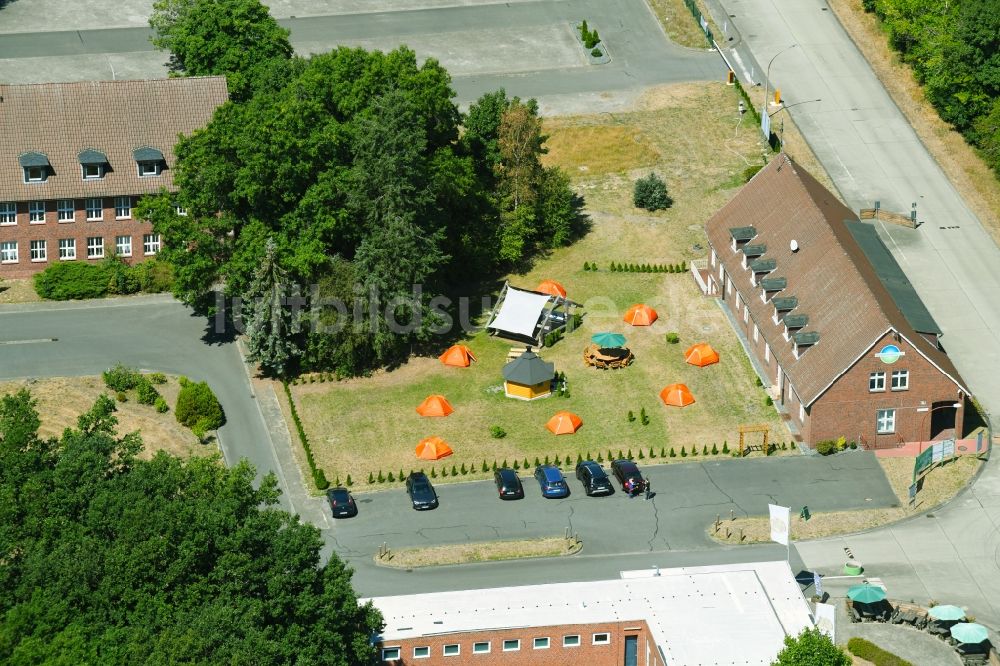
(74, 280)
(590, 37)
(672, 338)
(648, 268)
(121, 378)
(868, 651)
(316, 377)
(318, 475)
(198, 408)
(496, 432)
(651, 193)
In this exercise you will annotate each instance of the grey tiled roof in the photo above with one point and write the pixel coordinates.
(61, 120)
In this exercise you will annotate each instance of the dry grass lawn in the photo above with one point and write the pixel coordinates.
(18, 291)
(62, 399)
(677, 21)
(937, 487)
(977, 184)
(411, 558)
(364, 425)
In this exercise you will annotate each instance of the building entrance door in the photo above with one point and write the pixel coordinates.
(631, 651)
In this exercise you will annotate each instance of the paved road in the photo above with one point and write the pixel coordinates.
(872, 153)
(152, 333)
(688, 497)
(527, 47)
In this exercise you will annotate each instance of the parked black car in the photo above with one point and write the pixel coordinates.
(421, 492)
(508, 484)
(341, 503)
(627, 473)
(594, 479)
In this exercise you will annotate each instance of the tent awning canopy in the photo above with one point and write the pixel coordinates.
(520, 312)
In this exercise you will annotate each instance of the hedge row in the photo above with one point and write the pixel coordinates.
(71, 280)
(868, 651)
(318, 475)
(648, 268)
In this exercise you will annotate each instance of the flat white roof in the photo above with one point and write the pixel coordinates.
(725, 614)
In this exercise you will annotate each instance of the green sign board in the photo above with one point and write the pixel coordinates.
(923, 461)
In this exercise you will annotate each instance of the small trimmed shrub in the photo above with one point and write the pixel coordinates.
(558, 462)
(868, 651)
(715, 449)
(673, 338)
(704, 450)
(401, 475)
(485, 467)
(525, 464)
(348, 482)
(600, 458)
(791, 445)
(643, 418)
(694, 450)
(853, 445)
(750, 172)
(319, 478)
(195, 403)
(663, 452)
(757, 382)
(683, 453)
(380, 477)
(121, 378)
(371, 477)
(454, 470)
(768, 401)
(826, 447)
(628, 456)
(157, 378)
(579, 457)
(464, 470)
(72, 280)
(546, 460)
(652, 452)
(631, 416)
(537, 461)
(642, 456)
(146, 393)
(121, 397)
(517, 465)
(784, 446)
(391, 478)
(725, 446)
(434, 473)
(444, 472)
(161, 405)
(496, 432)
(651, 193)
(620, 454)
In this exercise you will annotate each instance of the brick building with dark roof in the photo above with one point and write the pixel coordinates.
(75, 157)
(829, 317)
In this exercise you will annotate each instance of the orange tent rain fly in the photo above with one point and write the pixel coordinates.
(564, 423)
(701, 355)
(459, 356)
(552, 288)
(433, 448)
(435, 405)
(640, 315)
(676, 395)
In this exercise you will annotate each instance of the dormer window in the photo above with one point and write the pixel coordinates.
(93, 164)
(804, 341)
(149, 161)
(36, 167)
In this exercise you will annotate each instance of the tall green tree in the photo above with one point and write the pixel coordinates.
(106, 558)
(811, 648)
(272, 322)
(235, 38)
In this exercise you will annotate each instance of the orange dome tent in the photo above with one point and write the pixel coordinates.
(640, 315)
(701, 355)
(676, 395)
(433, 448)
(552, 288)
(564, 423)
(459, 356)
(435, 405)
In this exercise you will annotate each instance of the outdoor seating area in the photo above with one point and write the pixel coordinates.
(868, 603)
(607, 358)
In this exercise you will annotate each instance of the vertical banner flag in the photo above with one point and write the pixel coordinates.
(780, 516)
(826, 619)
(817, 584)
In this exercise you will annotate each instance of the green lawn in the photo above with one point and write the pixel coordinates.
(366, 425)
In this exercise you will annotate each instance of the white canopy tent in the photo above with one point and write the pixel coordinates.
(526, 316)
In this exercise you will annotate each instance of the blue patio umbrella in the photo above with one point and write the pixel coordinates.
(969, 632)
(947, 612)
(866, 594)
(608, 339)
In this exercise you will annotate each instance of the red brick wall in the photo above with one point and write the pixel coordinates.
(79, 229)
(612, 654)
(847, 409)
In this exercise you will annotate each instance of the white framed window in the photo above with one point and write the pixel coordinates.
(767, 352)
(713, 258)
(66, 210)
(602, 638)
(123, 208)
(181, 211)
(422, 652)
(774, 317)
(36, 212)
(756, 333)
(147, 169)
(729, 288)
(722, 272)
(571, 640)
(95, 247)
(482, 647)
(802, 412)
(95, 209)
(390, 653)
(876, 381)
(123, 246)
(512, 645)
(763, 295)
(8, 252)
(452, 650)
(39, 251)
(67, 249)
(900, 380)
(8, 213)
(35, 174)
(93, 171)
(540, 643)
(746, 315)
(150, 244)
(885, 421)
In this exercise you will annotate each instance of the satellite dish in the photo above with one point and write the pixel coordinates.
(793, 245)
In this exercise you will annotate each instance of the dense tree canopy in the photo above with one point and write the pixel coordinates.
(354, 168)
(954, 50)
(235, 38)
(108, 559)
(811, 648)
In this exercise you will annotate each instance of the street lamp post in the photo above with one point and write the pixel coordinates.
(767, 78)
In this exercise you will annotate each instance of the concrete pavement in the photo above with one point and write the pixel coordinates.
(527, 47)
(872, 153)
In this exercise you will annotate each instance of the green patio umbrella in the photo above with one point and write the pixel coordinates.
(866, 594)
(969, 632)
(947, 612)
(607, 340)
